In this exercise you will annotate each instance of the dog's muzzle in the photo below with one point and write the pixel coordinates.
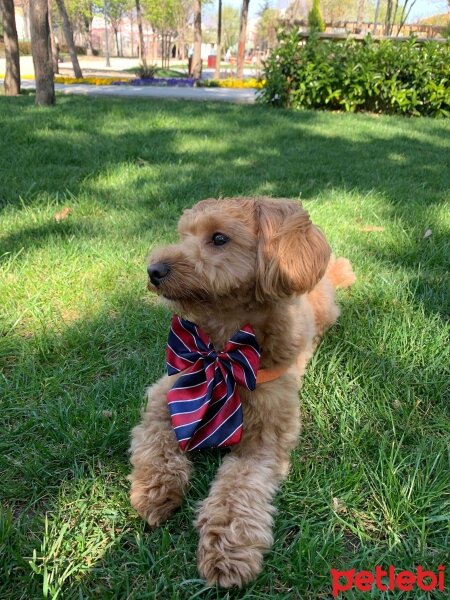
(157, 272)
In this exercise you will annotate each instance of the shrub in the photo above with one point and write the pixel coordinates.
(390, 76)
(147, 72)
(64, 49)
(315, 20)
(25, 48)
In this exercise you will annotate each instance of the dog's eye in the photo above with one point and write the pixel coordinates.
(219, 239)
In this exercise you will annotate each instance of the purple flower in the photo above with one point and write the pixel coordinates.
(172, 82)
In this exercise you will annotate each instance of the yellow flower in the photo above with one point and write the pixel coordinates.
(241, 83)
(89, 80)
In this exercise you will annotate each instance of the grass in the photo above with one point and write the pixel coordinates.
(81, 337)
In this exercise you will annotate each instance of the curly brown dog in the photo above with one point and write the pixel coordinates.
(244, 260)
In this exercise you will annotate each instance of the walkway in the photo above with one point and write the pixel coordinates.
(236, 96)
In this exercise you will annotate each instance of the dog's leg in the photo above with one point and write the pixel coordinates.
(235, 521)
(160, 470)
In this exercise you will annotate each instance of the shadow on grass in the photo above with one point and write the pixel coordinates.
(152, 159)
(294, 153)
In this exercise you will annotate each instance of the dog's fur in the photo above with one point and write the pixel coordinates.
(276, 273)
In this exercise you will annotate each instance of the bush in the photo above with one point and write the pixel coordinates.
(315, 20)
(389, 76)
(64, 49)
(25, 48)
(147, 72)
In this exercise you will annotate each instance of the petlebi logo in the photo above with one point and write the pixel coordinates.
(388, 579)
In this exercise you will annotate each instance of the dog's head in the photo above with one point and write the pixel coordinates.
(242, 250)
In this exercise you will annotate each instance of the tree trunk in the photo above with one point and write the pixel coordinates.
(142, 53)
(393, 18)
(242, 38)
(375, 21)
(387, 20)
(87, 22)
(12, 75)
(68, 34)
(360, 15)
(197, 56)
(116, 38)
(41, 50)
(405, 14)
(131, 33)
(26, 21)
(55, 53)
(219, 42)
(181, 48)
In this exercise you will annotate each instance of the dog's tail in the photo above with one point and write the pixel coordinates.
(340, 272)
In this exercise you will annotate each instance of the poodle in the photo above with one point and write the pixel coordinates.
(259, 267)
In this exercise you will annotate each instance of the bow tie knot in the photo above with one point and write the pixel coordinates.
(204, 402)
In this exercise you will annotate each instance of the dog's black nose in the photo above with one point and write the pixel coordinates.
(157, 272)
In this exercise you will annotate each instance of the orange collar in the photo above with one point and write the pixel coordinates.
(265, 375)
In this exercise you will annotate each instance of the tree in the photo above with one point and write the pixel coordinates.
(68, 34)
(266, 30)
(393, 16)
(407, 6)
(12, 75)
(344, 10)
(55, 53)
(315, 19)
(41, 50)
(116, 11)
(230, 26)
(219, 41)
(197, 56)
(360, 14)
(81, 14)
(142, 50)
(183, 19)
(165, 17)
(377, 14)
(242, 38)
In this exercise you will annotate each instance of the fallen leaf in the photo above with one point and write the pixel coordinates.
(62, 214)
(107, 414)
(427, 234)
(338, 506)
(371, 228)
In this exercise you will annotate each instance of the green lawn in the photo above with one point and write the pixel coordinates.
(80, 337)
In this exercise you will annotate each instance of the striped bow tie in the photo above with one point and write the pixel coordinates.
(204, 403)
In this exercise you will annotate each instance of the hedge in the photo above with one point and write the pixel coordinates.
(404, 77)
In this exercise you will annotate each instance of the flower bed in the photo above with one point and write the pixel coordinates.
(165, 82)
(232, 83)
(157, 81)
(90, 80)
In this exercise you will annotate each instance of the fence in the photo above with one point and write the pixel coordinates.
(341, 29)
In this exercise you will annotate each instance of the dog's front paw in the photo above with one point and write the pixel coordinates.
(160, 475)
(220, 562)
(155, 503)
(230, 553)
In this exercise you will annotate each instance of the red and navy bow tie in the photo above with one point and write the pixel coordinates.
(204, 403)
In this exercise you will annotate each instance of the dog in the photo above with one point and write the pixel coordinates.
(239, 261)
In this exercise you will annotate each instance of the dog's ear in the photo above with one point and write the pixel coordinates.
(292, 253)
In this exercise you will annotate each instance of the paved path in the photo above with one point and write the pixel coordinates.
(237, 96)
